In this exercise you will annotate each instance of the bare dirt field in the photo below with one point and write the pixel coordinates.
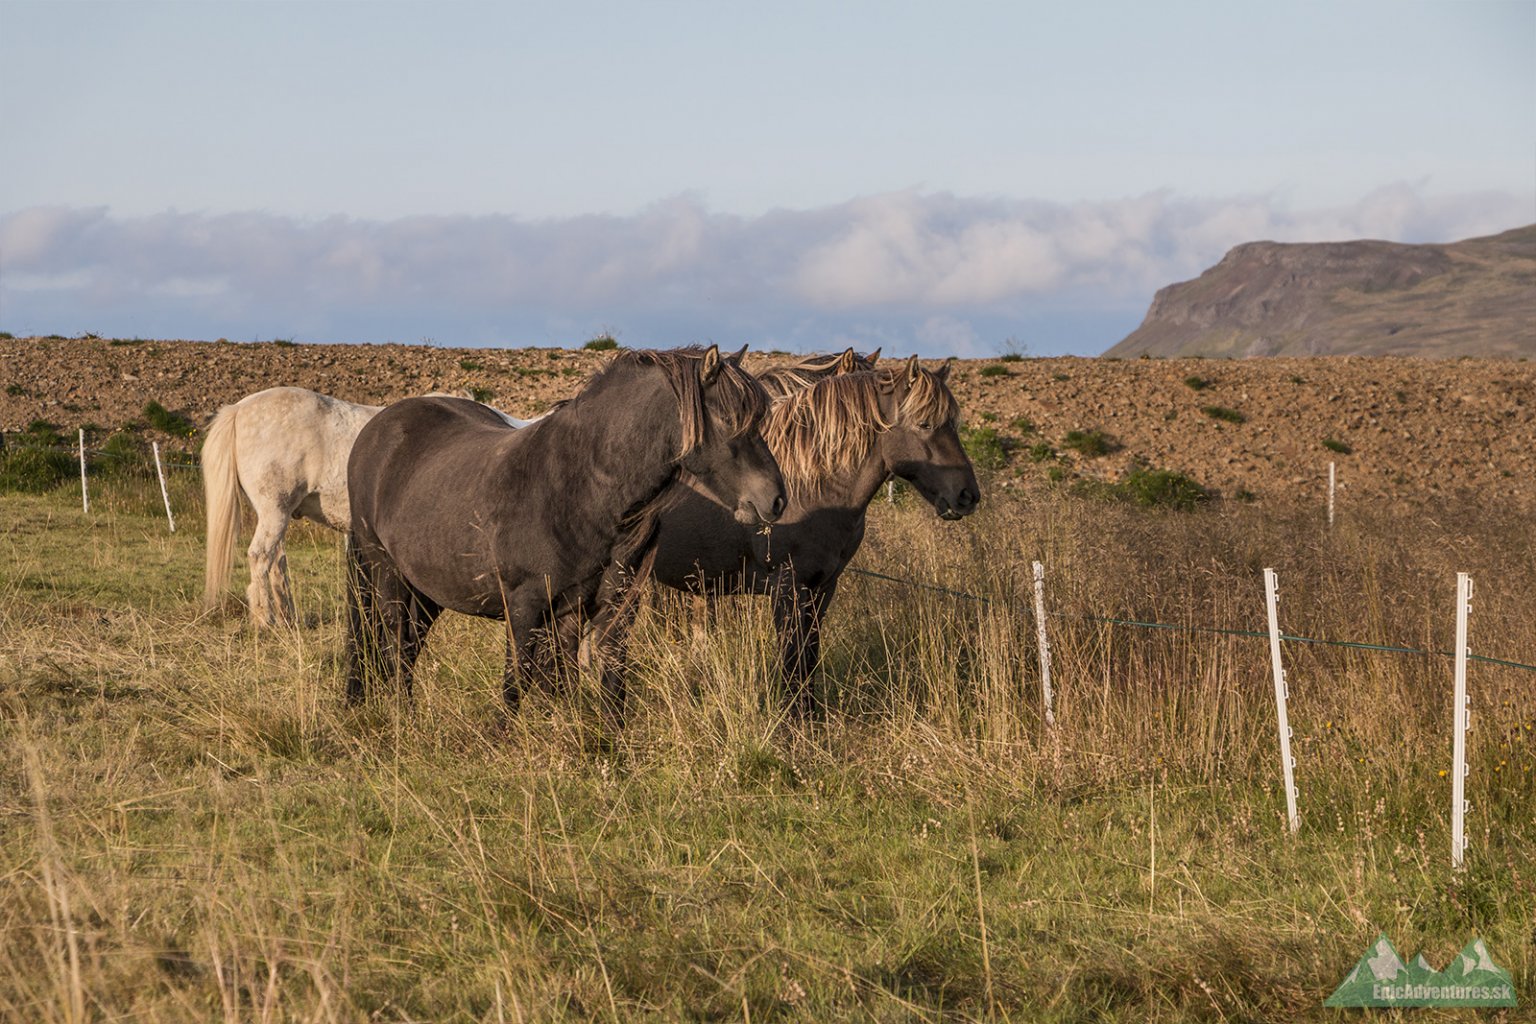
(1415, 430)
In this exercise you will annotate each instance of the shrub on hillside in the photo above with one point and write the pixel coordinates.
(985, 446)
(162, 419)
(1090, 444)
(36, 460)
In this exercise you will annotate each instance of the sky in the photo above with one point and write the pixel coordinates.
(948, 178)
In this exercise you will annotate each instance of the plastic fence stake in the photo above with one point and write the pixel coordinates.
(164, 494)
(1045, 647)
(1282, 692)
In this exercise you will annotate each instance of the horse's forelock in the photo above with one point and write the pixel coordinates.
(929, 400)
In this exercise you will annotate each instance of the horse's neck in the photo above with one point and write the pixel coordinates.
(852, 491)
(613, 456)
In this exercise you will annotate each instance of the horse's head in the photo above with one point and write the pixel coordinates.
(726, 455)
(922, 445)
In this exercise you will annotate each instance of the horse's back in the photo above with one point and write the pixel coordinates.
(292, 446)
(417, 443)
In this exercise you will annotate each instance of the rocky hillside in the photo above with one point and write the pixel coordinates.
(1473, 298)
(1407, 430)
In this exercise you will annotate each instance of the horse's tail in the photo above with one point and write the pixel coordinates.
(221, 500)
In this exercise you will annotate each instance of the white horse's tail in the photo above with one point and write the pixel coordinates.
(221, 501)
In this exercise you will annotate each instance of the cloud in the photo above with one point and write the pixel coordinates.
(931, 268)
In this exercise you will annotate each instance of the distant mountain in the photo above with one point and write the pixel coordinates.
(1471, 298)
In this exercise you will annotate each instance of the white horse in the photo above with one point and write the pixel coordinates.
(286, 450)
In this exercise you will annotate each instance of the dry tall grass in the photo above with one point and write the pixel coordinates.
(198, 829)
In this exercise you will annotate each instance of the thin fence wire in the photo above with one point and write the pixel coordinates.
(984, 601)
(1140, 624)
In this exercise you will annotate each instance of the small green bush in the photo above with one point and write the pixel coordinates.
(1090, 444)
(482, 395)
(985, 446)
(162, 419)
(1221, 412)
(1041, 452)
(43, 432)
(602, 343)
(285, 343)
(1023, 424)
(1195, 383)
(15, 390)
(6, 336)
(995, 370)
(1152, 488)
(470, 365)
(1335, 445)
(122, 454)
(36, 460)
(1011, 357)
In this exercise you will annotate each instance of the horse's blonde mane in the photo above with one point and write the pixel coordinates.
(781, 381)
(825, 430)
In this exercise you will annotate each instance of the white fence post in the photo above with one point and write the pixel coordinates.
(1330, 495)
(1046, 693)
(1282, 691)
(890, 491)
(1459, 725)
(164, 494)
(85, 494)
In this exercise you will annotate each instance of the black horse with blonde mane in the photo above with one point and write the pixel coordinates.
(453, 508)
(836, 441)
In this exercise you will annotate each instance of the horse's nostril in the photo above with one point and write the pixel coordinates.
(967, 498)
(778, 506)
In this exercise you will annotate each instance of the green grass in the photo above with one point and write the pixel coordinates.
(1196, 383)
(197, 828)
(1090, 444)
(1223, 413)
(996, 370)
(174, 423)
(1335, 445)
(986, 447)
(602, 343)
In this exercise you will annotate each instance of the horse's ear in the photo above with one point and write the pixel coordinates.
(845, 362)
(735, 360)
(873, 357)
(943, 372)
(912, 370)
(710, 369)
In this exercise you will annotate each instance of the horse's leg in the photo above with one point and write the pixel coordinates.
(610, 632)
(269, 596)
(365, 651)
(387, 620)
(797, 616)
(523, 616)
(416, 615)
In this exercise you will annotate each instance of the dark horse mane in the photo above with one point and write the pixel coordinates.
(820, 432)
(741, 400)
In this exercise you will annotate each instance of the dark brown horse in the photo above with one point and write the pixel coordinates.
(454, 508)
(836, 441)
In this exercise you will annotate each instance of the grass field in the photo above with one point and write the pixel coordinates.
(194, 827)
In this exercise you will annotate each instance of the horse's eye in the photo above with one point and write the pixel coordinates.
(925, 425)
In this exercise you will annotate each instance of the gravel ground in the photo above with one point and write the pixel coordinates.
(1417, 430)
